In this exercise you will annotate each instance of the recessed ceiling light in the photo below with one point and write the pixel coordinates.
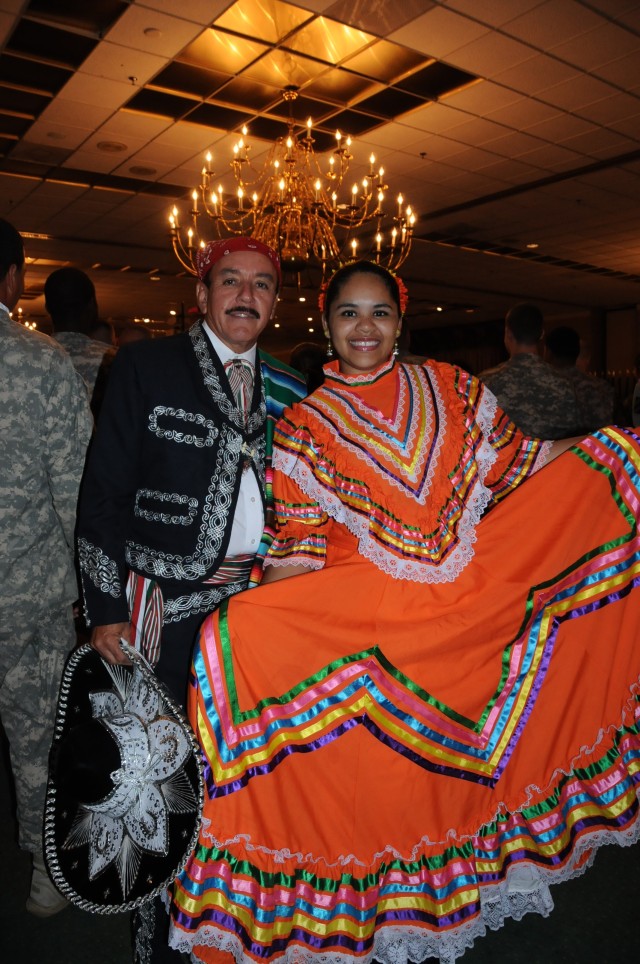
(56, 135)
(277, 325)
(312, 330)
(302, 298)
(142, 171)
(439, 308)
(111, 147)
(152, 32)
(533, 245)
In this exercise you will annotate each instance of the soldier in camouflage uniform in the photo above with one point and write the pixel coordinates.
(533, 394)
(595, 396)
(45, 425)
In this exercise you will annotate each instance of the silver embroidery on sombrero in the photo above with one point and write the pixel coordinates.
(148, 785)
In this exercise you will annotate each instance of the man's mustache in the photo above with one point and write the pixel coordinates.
(244, 310)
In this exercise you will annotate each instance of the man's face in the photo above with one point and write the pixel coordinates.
(240, 299)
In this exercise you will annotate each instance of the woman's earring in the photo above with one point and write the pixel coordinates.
(396, 349)
(329, 348)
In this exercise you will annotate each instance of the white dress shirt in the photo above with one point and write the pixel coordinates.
(248, 520)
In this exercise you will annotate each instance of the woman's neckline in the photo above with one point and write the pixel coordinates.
(333, 374)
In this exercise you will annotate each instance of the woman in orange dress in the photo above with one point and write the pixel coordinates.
(428, 712)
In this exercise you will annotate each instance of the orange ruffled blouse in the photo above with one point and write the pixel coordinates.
(435, 451)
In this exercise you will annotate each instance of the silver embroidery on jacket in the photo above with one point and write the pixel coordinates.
(204, 601)
(175, 498)
(161, 416)
(100, 569)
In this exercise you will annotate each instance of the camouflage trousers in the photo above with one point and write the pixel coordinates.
(28, 697)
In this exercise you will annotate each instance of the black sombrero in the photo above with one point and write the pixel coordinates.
(125, 788)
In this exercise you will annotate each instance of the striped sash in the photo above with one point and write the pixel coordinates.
(146, 614)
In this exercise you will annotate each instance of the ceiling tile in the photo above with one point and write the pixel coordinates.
(51, 44)
(219, 51)
(19, 70)
(75, 114)
(599, 46)
(536, 74)
(329, 40)
(622, 72)
(152, 31)
(559, 127)
(95, 17)
(279, 68)
(491, 55)
(552, 157)
(381, 18)
(577, 93)
(122, 63)
(390, 103)
(99, 92)
(439, 32)
(485, 97)
(385, 61)
(271, 20)
(496, 13)
(188, 79)
(184, 134)
(44, 131)
(127, 123)
(610, 110)
(543, 26)
(202, 12)
(248, 95)
(341, 86)
(512, 143)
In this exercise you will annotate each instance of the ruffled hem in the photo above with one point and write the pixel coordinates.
(525, 890)
(435, 904)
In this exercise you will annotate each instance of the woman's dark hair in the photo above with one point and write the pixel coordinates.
(11, 248)
(344, 274)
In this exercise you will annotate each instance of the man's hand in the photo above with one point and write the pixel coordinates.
(106, 640)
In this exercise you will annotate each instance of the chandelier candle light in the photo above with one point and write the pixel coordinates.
(295, 207)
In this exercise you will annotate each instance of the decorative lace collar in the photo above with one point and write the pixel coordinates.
(333, 374)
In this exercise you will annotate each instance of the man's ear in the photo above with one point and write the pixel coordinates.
(202, 297)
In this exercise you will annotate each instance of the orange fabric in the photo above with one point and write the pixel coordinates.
(356, 796)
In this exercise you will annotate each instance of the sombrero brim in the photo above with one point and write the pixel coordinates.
(97, 856)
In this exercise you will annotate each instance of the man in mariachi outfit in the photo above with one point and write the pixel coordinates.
(175, 503)
(177, 487)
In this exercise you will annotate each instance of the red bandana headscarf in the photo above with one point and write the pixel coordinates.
(214, 251)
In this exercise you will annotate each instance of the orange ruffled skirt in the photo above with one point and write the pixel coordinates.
(391, 767)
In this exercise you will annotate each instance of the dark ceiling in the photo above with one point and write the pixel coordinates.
(513, 126)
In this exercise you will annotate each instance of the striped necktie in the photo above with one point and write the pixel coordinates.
(240, 375)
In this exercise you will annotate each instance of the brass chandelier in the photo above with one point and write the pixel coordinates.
(295, 207)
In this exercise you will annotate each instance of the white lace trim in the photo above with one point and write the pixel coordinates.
(370, 548)
(525, 890)
(294, 561)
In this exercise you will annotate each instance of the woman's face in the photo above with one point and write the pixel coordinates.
(363, 324)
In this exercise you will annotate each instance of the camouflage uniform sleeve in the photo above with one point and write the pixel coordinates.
(107, 497)
(66, 430)
(505, 456)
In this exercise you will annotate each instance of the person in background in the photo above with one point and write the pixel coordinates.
(45, 426)
(308, 357)
(176, 500)
(70, 299)
(533, 394)
(428, 711)
(594, 396)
